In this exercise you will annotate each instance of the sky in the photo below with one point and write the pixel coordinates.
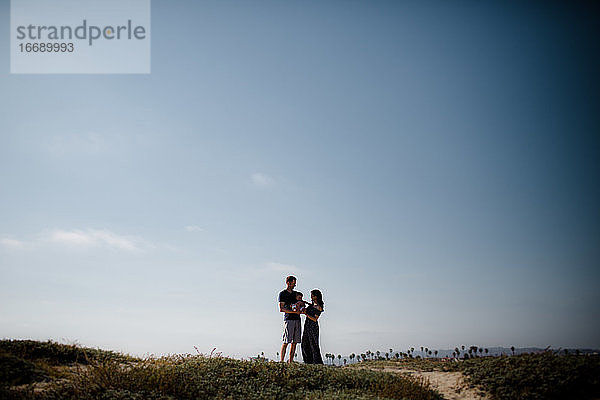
(431, 166)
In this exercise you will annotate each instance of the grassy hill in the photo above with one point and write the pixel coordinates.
(48, 370)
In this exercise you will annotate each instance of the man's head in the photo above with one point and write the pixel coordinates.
(290, 281)
(298, 296)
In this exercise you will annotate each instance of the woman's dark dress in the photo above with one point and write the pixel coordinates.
(311, 353)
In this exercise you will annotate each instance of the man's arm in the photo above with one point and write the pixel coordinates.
(286, 310)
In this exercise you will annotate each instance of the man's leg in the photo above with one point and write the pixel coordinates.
(296, 338)
(283, 348)
(292, 351)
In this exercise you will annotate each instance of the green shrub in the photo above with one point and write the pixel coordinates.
(536, 376)
(56, 353)
(16, 371)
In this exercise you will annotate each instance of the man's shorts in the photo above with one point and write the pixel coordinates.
(292, 331)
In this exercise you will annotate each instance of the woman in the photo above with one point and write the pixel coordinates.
(311, 353)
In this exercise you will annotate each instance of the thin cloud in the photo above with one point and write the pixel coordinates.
(262, 180)
(266, 270)
(71, 238)
(11, 243)
(194, 228)
(87, 143)
(94, 238)
(279, 267)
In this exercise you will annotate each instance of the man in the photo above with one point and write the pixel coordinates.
(291, 319)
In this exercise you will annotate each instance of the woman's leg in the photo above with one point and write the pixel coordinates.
(306, 354)
(313, 339)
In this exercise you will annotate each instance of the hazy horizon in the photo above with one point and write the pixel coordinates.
(431, 166)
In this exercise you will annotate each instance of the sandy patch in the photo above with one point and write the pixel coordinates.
(450, 384)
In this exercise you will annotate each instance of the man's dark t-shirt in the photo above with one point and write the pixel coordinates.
(288, 299)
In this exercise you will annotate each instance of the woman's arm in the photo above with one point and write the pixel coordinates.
(312, 318)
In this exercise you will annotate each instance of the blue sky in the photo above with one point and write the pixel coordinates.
(432, 167)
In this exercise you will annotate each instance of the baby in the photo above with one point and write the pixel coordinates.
(300, 304)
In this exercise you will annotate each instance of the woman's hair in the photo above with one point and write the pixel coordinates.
(318, 295)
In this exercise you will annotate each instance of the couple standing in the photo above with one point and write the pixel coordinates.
(292, 305)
